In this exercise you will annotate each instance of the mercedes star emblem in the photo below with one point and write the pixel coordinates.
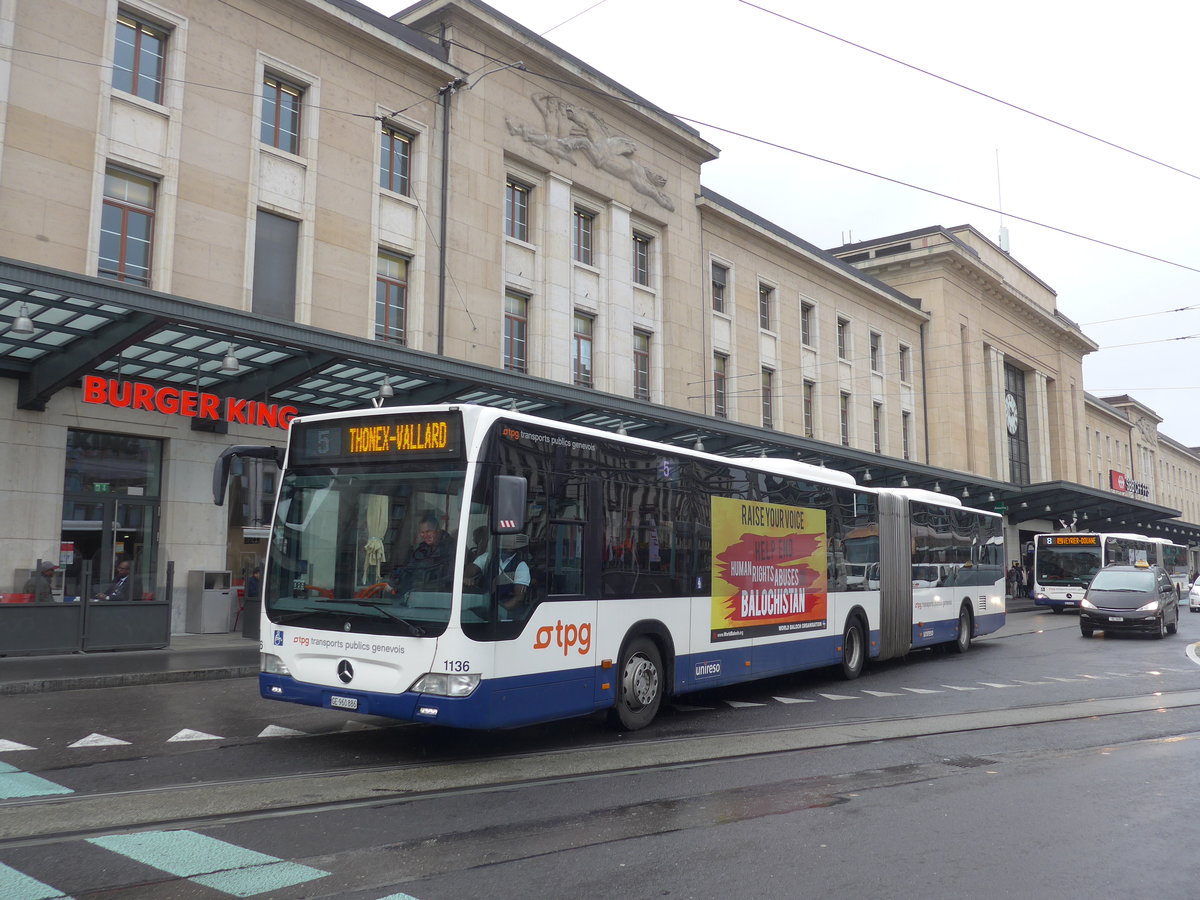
(345, 671)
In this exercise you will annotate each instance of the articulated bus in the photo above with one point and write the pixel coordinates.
(478, 568)
(1065, 562)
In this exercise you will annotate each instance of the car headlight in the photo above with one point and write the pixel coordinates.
(1087, 604)
(273, 665)
(446, 685)
(1152, 606)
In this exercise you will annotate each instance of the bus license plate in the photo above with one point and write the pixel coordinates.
(1116, 618)
(344, 702)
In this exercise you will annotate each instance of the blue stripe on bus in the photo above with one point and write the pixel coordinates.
(207, 861)
(16, 885)
(544, 696)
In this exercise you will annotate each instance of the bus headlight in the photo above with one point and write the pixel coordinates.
(273, 665)
(445, 685)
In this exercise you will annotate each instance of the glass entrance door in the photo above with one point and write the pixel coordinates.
(99, 534)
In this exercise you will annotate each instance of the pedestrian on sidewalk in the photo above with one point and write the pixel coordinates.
(40, 584)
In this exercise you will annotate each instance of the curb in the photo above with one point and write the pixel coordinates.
(125, 679)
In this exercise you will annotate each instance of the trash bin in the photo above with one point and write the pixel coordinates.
(210, 604)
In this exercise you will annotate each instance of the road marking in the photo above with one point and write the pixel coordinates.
(6, 746)
(792, 700)
(280, 731)
(188, 735)
(1192, 653)
(883, 693)
(16, 885)
(683, 707)
(922, 691)
(994, 684)
(207, 861)
(742, 704)
(98, 740)
(955, 687)
(839, 697)
(15, 784)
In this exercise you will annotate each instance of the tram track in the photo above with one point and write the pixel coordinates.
(60, 818)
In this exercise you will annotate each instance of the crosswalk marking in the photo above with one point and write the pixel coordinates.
(207, 861)
(15, 784)
(16, 885)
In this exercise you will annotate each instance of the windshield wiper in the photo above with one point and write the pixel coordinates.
(416, 629)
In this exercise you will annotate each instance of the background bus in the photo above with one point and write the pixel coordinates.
(478, 568)
(1064, 563)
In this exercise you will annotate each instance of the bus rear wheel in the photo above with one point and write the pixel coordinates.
(962, 643)
(854, 649)
(640, 689)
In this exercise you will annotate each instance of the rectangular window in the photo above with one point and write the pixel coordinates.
(720, 279)
(391, 298)
(641, 259)
(876, 351)
(138, 58)
(806, 324)
(905, 364)
(810, 390)
(581, 242)
(395, 156)
(877, 426)
(720, 402)
(581, 354)
(276, 245)
(844, 417)
(641, 365)
(516, 332)
(281, 114)
(843, 338)
(127, 226)
(766, 299)
(906, 433)
(516, 210)
(768, 398)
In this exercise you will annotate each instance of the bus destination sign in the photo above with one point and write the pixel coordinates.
(381, 438)
(1072, 540)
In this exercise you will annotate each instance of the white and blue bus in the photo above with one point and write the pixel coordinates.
(1064, 563)
(478, 568)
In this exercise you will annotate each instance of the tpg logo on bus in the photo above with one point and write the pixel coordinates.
(565, 636)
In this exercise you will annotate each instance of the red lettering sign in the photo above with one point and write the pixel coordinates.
(171, 401)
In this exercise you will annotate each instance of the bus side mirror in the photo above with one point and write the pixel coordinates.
(508, 504)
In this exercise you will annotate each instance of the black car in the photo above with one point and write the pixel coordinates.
(1137, 598)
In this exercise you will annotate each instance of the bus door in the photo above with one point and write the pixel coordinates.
(895, 577)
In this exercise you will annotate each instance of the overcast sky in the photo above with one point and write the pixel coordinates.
(1123, 73)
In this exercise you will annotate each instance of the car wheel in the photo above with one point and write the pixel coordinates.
(1086, 631)
(1162, 626)
(1174, 626)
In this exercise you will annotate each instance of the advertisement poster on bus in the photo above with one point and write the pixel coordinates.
(768, 569)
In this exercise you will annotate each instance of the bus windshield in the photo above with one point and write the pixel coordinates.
(365, 552)
(1066, 565)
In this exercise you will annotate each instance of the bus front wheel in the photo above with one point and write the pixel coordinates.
(640, 689)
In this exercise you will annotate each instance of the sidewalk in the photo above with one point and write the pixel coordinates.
(190, 657)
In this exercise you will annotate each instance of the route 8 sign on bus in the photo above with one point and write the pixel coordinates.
(768, 569)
